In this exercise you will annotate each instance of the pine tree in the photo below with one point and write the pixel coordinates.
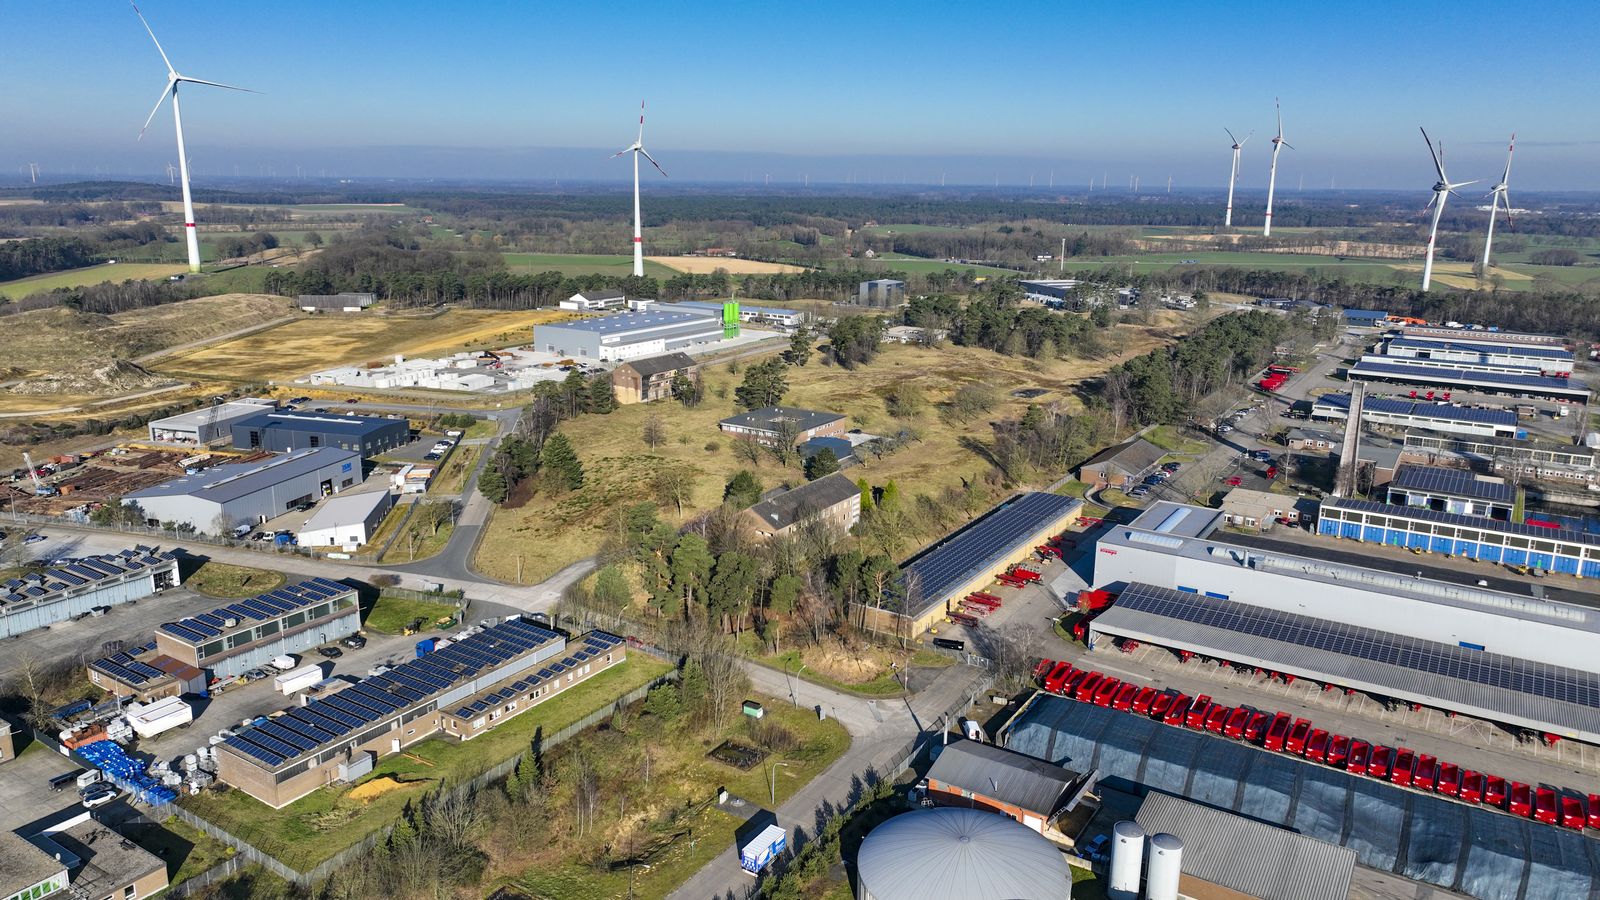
(602, 398)
(743, 489)
(821, 463)
(866, 495)
(492, 485)
(560, 463)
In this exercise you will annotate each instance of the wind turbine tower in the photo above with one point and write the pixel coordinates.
(1498, 198)
(1233, 176)
(172, 177)
(637, 149)
(1278, 143)
(33, 169)
(1441, 190)
(173, 80)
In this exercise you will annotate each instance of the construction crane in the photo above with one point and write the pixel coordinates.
(40, 489)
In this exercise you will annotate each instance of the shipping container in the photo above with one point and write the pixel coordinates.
(1573, 813)
(1107, 691)
(1356, 762)
(1296, 742)
(1088, 686)
(1162, 703)
(1317, 745)
(1449, 779)
(298, 680)
(1494, 791)
(1256, 730)
(1124, 700)
(1427, 771)
(1544, 805)
(1236, 723)
(1277, 732)
(1217, 718)
(1405, 764)
(1471, 787)
(1141, 703)
(1520, 799)
(1378, 763)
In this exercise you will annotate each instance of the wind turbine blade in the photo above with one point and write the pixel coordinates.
(641, 125)
(1509, 150)
(620, 152)
(1437, 163)
(1279, 107)
(1247, 138)
(653, 162)
(1230, 135)
(1505, 197)
(152, 36)
(171, 83)
(1287, 144)
(187, 80)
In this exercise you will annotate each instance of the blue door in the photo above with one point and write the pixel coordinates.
(1468, 549)
(1443, 545)
(1591, 568)
(1489, 552)
(1567, 565)
(1514, 557)
(1417, 540)
(1540, 560)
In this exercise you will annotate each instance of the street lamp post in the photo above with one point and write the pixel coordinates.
(773, 781)
(794, 685)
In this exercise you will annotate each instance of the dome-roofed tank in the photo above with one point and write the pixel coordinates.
(950, 853)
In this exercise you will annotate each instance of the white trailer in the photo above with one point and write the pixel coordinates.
(298, 680)
(763, 849)
(151, 719)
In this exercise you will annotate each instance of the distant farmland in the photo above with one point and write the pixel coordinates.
(580, 264)
(22, 287)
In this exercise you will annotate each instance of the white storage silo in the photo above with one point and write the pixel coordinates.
(1127, 860)
(1166, 861)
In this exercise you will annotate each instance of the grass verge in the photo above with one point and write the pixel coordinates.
(390, 615)
(187, 851)
(456, 469)
(230, 582)
(316, 826)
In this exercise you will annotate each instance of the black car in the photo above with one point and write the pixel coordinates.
(430, 457)
(354, 642)
(329, 652)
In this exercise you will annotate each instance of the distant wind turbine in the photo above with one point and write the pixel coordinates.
(173, 80)
(172, 177)
(1278, 143)
(33, 169)
(1442, 189)
(637, 149)
(1233, 176)
(1497, 198)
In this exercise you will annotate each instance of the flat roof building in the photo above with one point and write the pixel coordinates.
(346, 520)
(101, 863)
(1547, 360)
(249, 633)
(1365, 318)
(80, 586)
(1493, 338)
(1050, 291)
(630, 335)
(595, 301)
(1460, 378)
(1559, 550)
(1420, 413)
(212, 423)
(145, 675)
(247, 493)
(348, 302)
(750, 315)
(1453, 491)
(26, 871)
(1257, 510)
(285, 432)
(833, 500)
(978, 775)
(649, 378)
(775, 424)
(885, 293)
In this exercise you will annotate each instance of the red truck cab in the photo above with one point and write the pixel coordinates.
(1378, 764)
(1521, 800)
(1296, 742)
(1196, 717)
(1427, 771)
(1573, 814)
(1471, 787)
(1217, 718)
(1088, 686)
(1317, 745)
(1177, 711)
(1449, 779)
(1495, 792)
(1277, 732)
(1236, 723)
(1141, 703)
(1106, 692)
(1257, 729)
(1405, 764)
(1043, 668)
(1125, 697)
(1356, 762)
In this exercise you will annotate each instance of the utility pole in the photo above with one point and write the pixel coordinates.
(1063, 256)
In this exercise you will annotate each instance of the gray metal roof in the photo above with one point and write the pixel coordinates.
(1453, 482)
(812, 497)
(774, 418)
(1133, 456)
(995, 772)
(1451, 377)
(1486, 685)
(929, 854)
(656, 365)
(1248, 856)
(1401, 406)
(1481, 349)
(321, 423)
(348, 508)
(231, 481)
(625, 323)
(223, 414)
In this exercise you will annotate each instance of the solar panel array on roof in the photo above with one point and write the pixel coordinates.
(124, 668)
(79, 572)
(334, 717)
(1428, 343)
(593, 643)
(1454, 482)
(980, 546)
(1442, 375)
(1563, 535)
(1424, 409)
(200, 628)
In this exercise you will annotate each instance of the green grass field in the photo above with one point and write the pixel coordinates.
(229, 582)
(902, 228)
(580, 264)
(395, 208)
(390, 615)
(913, 265)
(88, 275)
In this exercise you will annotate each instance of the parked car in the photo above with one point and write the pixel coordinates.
(354, 642)
(255, 674)
(430, 457)
(329, 652)
(1095, 850)
(99, 795)
(1233, 481)
(33, 538)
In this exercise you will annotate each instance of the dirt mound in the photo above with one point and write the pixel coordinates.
(115, 377)
(379, 786)
(848, 664)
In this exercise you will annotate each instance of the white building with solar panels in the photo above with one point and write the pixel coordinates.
(1492, 655)
(1467, 377)
(1434, 416)
(1549, 360)
(250, 633)
(1456, 491)
(76, 588)
(476, 682)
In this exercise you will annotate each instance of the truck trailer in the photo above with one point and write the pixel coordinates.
(298, 680)
(150, 719)
(761, 850)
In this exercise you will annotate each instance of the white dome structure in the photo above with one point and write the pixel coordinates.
(950, 853)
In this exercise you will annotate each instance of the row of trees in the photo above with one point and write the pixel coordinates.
(994, 321)
(1164, 384)
(535, 448)
(19, 259)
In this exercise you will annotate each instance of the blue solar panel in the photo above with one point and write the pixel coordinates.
(369, 696)
(267, 741)
(1564, 535)
(306, 720)
(463, 713)
(201, 628)
(261, 610)
(261, 753)
(1454, 482)
(1447, 376)
(242, 612)
(298, 741)
(145, 669)
(546, 672)
(344, 711)
(979, 547)
(186, 634)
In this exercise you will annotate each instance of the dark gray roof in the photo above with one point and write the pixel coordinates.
(321, 423)
(1480, 523)
(1015, 778)
(790, 507)
(1453, 482)
(932, 574)
(1401, 406)
(22, 865)
(1554, 353)
(1247, 856)
(1452, 377)
(1133, 455)
(773, 418)
(110, 863)
(656, 365)
(606, 294)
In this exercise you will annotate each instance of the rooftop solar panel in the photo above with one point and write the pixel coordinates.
(261, 610)
(338, 706)
(243, 613)
(261, 753)
(312, 721)
(144, 669)
(1443, 375)
(364, 691)
(1479, 523)
(183, 633)
(267, 741)
(982, 545)
(463, 713)
(1455, 482)
(295, 739)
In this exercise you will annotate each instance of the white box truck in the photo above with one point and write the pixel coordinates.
(298, 680)
(150, 719)
(761, 850)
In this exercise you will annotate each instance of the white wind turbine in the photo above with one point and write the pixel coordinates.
(173, 80)
(1278, 143)
(1497, 198)
(1233, 176)
(1441, 190)
(637, 149)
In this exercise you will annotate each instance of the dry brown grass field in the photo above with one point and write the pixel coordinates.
(705, 265)
(550, 532)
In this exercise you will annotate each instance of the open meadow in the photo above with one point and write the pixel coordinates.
(320, 342)
(88, 275)
(550, 532)
(573, 264)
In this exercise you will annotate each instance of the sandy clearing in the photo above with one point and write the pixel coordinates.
(705, 265)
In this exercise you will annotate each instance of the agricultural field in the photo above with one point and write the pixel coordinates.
(901, 228)
(88, 275)
(912, 265)
(618, 466)
(705, 265)
(315, 343)
(573, 264)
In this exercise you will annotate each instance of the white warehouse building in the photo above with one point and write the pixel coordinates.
(250, 493)
(1185, 585)
(629, 335)
(347, 520)
(202, 426)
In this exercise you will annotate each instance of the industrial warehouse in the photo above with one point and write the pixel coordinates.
(251, 492)
(284, 432)
(249, 633)
(1460, 377)
(213, 423)
(630, 335)
(1184, 585)
(474, 684)
(79, 587)
(1548, 360)
(1432, 415)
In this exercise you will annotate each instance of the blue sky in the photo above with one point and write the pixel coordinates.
(874, 91)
